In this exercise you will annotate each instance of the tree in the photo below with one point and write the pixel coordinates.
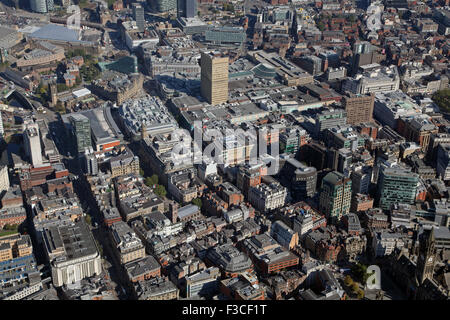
(442, 99)
(88, 219)
(154, 179)
(348, 281)
(228, 7)
(160, 190)
(197, 202)
(355, 287)
(10, 227)
(61, 87)
(151, 181)
(41, 89)
(60, 107)
(320, 25)
(141, 172)
(360, 272)
(89, 71)
(148, 182)
(360, 294)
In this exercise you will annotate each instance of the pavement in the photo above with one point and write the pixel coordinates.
(110, 267)
(389, 289)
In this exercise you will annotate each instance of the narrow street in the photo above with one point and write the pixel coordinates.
(82, 190)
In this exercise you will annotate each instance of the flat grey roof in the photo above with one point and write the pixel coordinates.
(77, 239)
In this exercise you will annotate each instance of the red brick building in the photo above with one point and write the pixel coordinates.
(12, 216)
(361, 202)
(143, 269)
(230, 194)
(214, 205)
(31, 176)
(248, 177)
(267, 255)
(12, 198)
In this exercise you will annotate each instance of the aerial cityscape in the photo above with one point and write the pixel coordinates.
(224, 150)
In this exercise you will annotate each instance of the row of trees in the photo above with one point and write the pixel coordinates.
(228, 7)
(158, 189)
(360, 272)
(9, 229)
(442, 99)
(89, 71)
(354, 286)
(197, 202)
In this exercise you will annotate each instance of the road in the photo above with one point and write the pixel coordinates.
(388, 287)
(68, 154)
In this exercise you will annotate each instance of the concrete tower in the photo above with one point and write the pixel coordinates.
(214, 77)
(32, 143)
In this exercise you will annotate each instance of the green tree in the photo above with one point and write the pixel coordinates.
(320, 25)
(141, 172)
(360, 294)
(355, 287)
(442, 99)
(61, 87)
(60, 107)
(154, 179)
(10, 227)
(160, 190)
(228, 7)
(360, 272)
(89, 71)
(151, 181)
(197, 202)
(351, 19)
(148, 182)
(41, 89)
(348, 281)
(88, 219)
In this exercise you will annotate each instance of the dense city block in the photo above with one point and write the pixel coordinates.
(224, 150)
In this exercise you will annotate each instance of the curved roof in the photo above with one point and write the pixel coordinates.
(264, 71)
